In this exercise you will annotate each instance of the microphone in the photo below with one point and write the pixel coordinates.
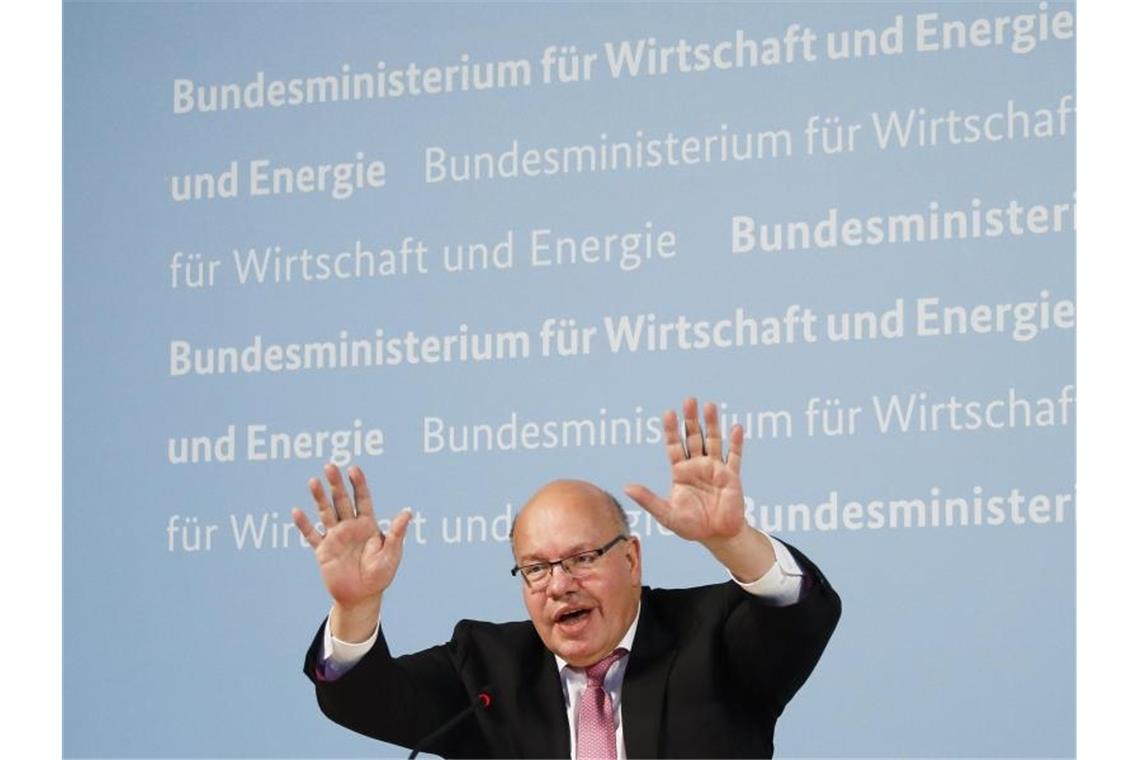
(482, 700)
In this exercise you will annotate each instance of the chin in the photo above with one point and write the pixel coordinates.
(580, 653)
(578, 659)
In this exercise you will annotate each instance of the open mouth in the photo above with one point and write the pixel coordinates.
(572, 617)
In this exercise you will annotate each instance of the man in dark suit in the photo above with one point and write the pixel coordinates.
(605, 668)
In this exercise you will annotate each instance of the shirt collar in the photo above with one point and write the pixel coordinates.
(626, 642)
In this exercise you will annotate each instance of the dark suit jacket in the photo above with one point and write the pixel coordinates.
(709, 672)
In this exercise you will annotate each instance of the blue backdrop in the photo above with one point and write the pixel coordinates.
(436, 241)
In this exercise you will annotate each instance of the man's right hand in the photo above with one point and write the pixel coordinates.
(357, 561)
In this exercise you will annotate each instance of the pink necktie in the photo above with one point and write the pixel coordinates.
(597, 734)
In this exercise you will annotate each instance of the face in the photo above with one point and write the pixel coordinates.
(580, 619)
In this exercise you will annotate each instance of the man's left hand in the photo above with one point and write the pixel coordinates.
(706, 502)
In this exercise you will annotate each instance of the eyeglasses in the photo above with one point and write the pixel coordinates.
(538, 574)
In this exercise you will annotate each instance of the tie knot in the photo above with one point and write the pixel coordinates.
(596, 673)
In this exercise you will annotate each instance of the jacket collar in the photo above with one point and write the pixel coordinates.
(643, 689)
(642, 694)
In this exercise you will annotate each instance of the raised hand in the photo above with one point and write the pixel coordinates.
(357, 561)
(706, 501)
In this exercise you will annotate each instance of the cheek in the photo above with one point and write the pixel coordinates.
(534, 607)
(607, 588)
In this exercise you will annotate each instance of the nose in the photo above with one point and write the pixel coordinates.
(560, 581)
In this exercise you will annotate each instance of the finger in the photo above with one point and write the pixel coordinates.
(400, 524)
(360, 493)
(674, 449)
(693, 439)
(306, 528)
(735, 448)
(341, 503)
(650, 502)
(324, 506)
(712, 431)
(393, 539)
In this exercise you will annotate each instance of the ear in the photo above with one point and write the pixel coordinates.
(633, 557)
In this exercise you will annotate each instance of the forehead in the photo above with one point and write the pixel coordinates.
(564, 517)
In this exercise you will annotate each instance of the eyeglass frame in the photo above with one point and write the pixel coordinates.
(596, 553)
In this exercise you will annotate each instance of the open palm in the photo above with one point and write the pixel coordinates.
(357, 561)
(706, 501)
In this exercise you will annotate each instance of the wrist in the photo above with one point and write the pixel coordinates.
(747, 555)
(356, 622)
(724, 546)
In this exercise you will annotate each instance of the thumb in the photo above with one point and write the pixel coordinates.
(650, 502)
(399, 529)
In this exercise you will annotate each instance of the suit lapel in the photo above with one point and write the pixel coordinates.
(643, 688)
(546, 733)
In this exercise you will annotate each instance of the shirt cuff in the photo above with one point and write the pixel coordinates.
(338, 656)
(782, 585)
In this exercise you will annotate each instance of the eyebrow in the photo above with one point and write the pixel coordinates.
(575, 549)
